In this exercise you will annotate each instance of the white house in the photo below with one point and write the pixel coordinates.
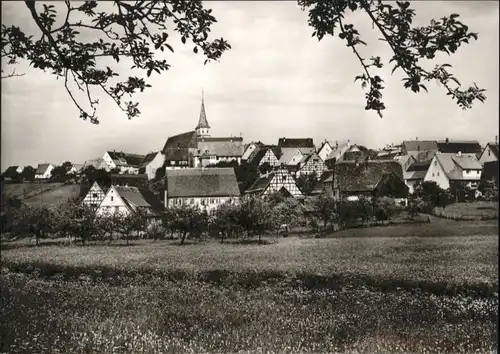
(125, 162)
(94, 196)
(152, 162)
(126, 200)
(490, 153)
(75, 169)
(280, 181)
(205, 188)
(44, 171)
(324, 150)
(249, 149)
(291, 157)
(446, 168)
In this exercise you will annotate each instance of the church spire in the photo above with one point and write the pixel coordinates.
(203, 123)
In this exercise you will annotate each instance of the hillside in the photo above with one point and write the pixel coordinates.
(49, 194)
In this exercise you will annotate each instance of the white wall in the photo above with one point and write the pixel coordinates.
(209, 203)
(487, 156)
(154, 165)
(251, 148)
(112, 203)
(436, 174)
(324, 152)
(109, 161)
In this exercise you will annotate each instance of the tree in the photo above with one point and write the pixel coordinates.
(324, 207)
(188, 220)
(288, 212)
(12, 175)
(35, 220)
(28, 174)
(128, 223)
(60, 173)
(307, 183)
(224, 222)
(410, 45)
(129, 30)
(265, 168)
(255, 216)
(432, 195)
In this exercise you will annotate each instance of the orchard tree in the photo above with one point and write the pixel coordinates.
(77, 36)
(35, 220)
(410, 45)
(224, 222)
(307, 183)
(28, 174)
(137, 31)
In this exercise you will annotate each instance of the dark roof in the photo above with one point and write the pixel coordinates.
(275, 149)
(139, 197)
(352, 177)
(199, 182)
(220, 147)
(292, 143)
(42, 168)
(261, 183)
(420, 145)
(126, 176)
(465, 147)
(149, 157)
(419, 166)
(490, 171)
(184, 140)
(258, 156)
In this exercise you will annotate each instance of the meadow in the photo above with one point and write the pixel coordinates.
(383, 289)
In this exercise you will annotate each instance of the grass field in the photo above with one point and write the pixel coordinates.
(367, 290)
(48, 194)
(470, 210)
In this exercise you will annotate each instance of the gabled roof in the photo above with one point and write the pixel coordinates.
(296, 143)
(494, 149)
(274, 148)
(288, 154)
(148, 158)
(201, 182)
(464, 146)
(260, 184)
(125, 159)
(139, 197)
(417, 170)
(352, 177)
(231, 147)
(184, 140)
(323, 145)
(420, 145)
(336, 149)
(42, 168)
(310, 156)
(453, 165)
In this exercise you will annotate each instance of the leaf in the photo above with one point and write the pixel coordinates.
(183, 40)
(195, 50)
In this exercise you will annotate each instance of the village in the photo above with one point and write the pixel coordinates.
(201, 170)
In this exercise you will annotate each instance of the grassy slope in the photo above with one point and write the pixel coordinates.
(51, 193)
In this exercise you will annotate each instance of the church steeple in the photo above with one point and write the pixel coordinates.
(203, 129)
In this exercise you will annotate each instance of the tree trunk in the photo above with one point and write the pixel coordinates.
(260, 237)
(126, 238)
(37, 237)
(183, 237)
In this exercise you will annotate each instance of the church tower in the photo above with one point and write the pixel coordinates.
(203, 129)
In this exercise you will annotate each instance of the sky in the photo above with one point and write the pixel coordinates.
(276, 81)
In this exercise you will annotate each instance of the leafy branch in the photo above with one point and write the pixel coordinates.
(409, 45)
(134, 30)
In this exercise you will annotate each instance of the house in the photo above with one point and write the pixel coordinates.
(125, 162)
(205, 188)
(198, 149)
(126, 200)
(490, 153)
(94, 196)
(324, 150)
(44, 171)
(305, 145)
(291, 157)
(448, 168)
(415, 174)
(152, 162)
(75, 169)
(421, 150)
(265, 155)
(311, 163)
(337, 153)
(448, 146)
(98, 164)
(249, 149)
(326, 185)
(279, 181)
(370, 179)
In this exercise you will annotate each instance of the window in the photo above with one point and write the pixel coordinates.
(94, 195)
(467, 171)
(438, 174)
(191, 201)
(111, 198)
(432, 174)
(435, 163)
(117, 209)
(489, 152)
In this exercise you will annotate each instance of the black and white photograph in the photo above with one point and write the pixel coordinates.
(295, 176)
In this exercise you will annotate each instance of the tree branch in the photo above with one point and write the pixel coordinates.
(12, 74)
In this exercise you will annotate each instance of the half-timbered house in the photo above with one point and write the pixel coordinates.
(279, 181)
(311, 163)
(94, 196)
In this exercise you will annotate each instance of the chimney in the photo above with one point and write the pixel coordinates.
(447, 140)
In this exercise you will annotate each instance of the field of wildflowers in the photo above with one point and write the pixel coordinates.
(381, 291)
